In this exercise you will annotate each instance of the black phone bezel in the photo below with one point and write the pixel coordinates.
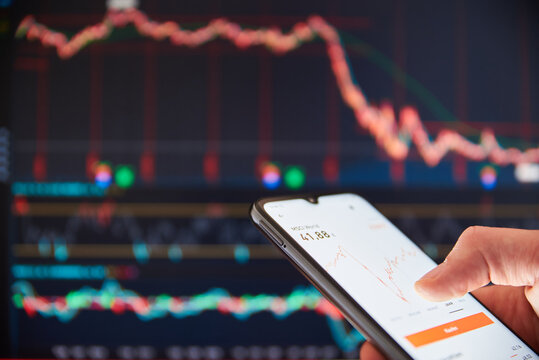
(355, 314)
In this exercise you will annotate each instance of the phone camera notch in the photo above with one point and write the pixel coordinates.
(312, 199)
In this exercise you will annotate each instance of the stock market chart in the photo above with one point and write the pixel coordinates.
(137, 133)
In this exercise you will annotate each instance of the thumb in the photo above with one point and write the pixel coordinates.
(482, 255)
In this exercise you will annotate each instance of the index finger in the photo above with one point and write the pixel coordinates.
(482, 255)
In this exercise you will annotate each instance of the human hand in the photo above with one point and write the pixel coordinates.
(509, 258)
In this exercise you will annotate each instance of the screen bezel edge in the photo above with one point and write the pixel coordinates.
(353, 311)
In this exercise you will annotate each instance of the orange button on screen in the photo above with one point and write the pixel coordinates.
(452, 328)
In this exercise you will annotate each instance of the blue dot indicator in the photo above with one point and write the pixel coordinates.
(271, 176)
(241, 254)
(141, 252)
(60, 251)
(44, 247)
(175, 253)
(489, 177)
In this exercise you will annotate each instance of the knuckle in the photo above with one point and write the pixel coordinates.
(472, 235)
(470, 241)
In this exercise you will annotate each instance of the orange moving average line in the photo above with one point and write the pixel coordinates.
(394, 137)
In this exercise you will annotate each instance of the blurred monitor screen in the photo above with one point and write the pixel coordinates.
(136, 133)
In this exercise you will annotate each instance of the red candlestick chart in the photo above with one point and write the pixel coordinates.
(394, 133)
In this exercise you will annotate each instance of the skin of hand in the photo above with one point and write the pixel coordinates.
(509, 258)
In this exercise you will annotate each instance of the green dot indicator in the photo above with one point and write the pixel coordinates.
(124, 176)
(294, 177)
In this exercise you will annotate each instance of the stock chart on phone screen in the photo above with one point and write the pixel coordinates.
(135, 134)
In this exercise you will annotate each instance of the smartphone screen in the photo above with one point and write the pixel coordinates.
(377, 266)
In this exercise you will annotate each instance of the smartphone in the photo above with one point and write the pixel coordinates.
(367, 268)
